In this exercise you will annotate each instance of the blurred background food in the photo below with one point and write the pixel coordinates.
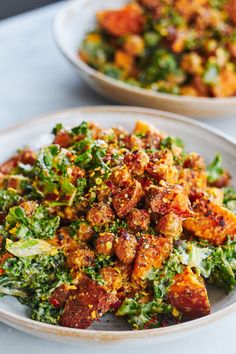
(179, 47)
(14, 7)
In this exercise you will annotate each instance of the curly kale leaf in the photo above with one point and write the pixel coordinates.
(162, 278)
(45, 312)
(52, 163)
(81, 186)
(216, 264)
(8, 198)
(171, 143)
(90, 154)
(58, 127)
(211, 74)
(230, 198)
(195, 255)
(82, 130)
(98, 52)
(223, 272)
(215, 169)
(101, 261)
(157, 65)
(32, 280)
(145, 315)
(39, 225)
(30, 247)
(176, 145)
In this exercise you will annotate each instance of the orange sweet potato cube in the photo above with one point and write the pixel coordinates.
(188, 295)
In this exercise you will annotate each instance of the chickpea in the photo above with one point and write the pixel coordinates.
(134, 45)
(112, 278)
(105, 243)
(125, 247)
(170, 225)
(192, 63)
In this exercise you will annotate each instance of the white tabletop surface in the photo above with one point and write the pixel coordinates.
(36, 79)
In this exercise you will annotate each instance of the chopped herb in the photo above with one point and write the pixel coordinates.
(145, 315)
(230, 198)
(215, 169)
(171, 143)
(58, 127)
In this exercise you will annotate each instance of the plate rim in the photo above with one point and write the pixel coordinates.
(81, 65)
(101, 335)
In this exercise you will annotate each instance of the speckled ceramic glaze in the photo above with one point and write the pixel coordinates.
(198, 137)
(75, 18)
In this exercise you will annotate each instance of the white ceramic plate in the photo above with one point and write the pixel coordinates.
(198, 137)
(75, 18)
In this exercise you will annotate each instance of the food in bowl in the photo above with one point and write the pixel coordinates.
(179, 47)
(109, 221)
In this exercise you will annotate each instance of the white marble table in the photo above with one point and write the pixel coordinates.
(35, 79)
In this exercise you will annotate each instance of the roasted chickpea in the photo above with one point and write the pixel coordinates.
(138, 219)
(105, 243)
(85, 231)
(170, 225)
(134, 45)
(100, 214)
(125, 247)
(112, 278)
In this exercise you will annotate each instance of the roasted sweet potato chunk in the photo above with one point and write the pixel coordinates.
(138, 219)
(124, 61)
(152, 252)
(136, 161)
(127, 199)
(150, 135)
(142, 127)
(128, 20)
(134, 45)
(86, 304)
(161, 167)
(193, 181)
(212, 222)
(59, 296)
(188, 295)
(165, 199)
(195, 162)
(132, 142)
(193, 176)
